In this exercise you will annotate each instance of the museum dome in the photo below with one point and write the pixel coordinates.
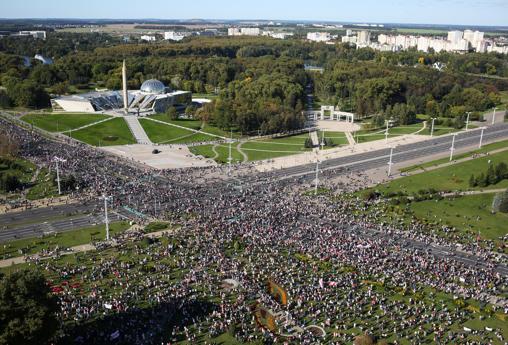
(153, 86)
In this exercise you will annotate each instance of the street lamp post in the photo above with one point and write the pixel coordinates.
(56, 160)
(432, 127)
(494, 116)
(481, 138)
(317, 177)
(106, 219)
(467, 120)
(323, 140)
(390, 163)
(386, 132)
(230, 158)
(453, 146)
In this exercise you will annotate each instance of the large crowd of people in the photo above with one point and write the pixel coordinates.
(340, 268)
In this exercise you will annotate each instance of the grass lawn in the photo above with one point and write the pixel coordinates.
(159, 133)
(420, 31)
(449, 178)
(62, 122)
(63, 240)
(202, 150)
(192, 124)
(114, 132)
(467, 213)
(367, 135)
(276, 147)
(18, 167)
(485, 148)
(223, 151)
(167, 134)
(44, 187)
(338, 138)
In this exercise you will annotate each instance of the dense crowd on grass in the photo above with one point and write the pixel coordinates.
(344, 271)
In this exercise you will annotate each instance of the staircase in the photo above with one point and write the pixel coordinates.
(137, 130)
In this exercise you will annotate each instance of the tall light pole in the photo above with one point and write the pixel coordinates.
(386, 132)
(390, 162)
(453, 146)
(467, 120)
(56, 160)
(106, 219)
(322, 140)
(481, 138)
(317, 177)
(494, 116)
(432, 127)
(230, 158)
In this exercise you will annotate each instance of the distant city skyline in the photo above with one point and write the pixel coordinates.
(453, 12)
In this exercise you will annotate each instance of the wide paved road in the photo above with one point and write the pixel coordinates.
(402, 153)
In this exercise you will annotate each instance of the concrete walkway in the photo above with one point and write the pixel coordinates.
(186, 128)
(137, 130)
(88, 125)
(343, 151)
(314, 138)
(350, 138)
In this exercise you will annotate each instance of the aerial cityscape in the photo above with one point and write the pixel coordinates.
(253, 173)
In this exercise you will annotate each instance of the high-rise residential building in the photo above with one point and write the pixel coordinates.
(244, 32)
(250, 31)
(364, 37)
(319, 36)
(234, 32)
(454, 36)
(174, 36)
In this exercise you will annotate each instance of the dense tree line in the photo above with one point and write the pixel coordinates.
(376, 88)
(260, 81)
(493, 175)
(27, 309)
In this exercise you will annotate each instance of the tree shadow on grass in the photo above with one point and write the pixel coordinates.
(151, 325)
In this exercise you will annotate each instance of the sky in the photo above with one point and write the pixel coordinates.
(461, 12)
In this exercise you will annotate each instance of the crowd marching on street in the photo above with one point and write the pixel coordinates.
(339, 266)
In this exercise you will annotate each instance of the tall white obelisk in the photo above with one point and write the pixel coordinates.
(124, 83)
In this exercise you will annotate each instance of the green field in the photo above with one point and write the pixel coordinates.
(62, 240)
(450, 178)
(192, 124)
(159, 133)
(113, 132)
(367, 135)
(196, 125)
(470, 213)
(255, 149)
(37, 184)
(421, 31)
(62, 122)
(44, 186)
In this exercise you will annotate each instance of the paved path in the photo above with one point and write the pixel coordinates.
(72, 250)
(350, 138)
(475, 192)
(88, 125)
(137, 130)
(186, 128)
(314, 138)
(239, 149)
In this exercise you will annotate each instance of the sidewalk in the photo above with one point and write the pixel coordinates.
(72, 250)
(343, 151)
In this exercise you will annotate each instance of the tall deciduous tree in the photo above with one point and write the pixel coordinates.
(27, 309)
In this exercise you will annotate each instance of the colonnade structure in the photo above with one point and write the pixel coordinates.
(329, 112)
